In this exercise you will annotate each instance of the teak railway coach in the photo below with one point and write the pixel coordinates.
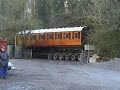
(57, 43)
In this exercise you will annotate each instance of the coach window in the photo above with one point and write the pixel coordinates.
(47, 36)
(41, 36)
(67, 35)
(58, 36)
(64, 35)
(30, 37)
(76, 35)
(55, 35)
(52, 36)
(73, 35)
(34, 38)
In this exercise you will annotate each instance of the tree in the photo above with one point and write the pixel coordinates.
(15, 17)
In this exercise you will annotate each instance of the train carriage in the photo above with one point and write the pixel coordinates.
(56, 43)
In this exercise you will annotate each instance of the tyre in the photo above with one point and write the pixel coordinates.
(67, 57)
(79, 57)
(49, 56)
(61, 57)
(55, 56)
(73, 57)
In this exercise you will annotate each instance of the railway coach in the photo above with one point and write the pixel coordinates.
(56, 43)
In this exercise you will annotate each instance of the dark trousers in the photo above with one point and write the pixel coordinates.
(5, 68)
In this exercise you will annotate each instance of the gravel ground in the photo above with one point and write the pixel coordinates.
(39, 74)
(113, 65)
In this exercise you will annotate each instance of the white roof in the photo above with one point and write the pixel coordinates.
(52, 30)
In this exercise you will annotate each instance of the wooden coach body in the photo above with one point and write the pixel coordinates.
(60, 37)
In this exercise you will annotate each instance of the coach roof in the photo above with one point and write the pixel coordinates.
(52, 30)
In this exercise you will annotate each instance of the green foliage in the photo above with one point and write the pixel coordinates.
(107, 42)
(14, 17)
(42, 10)
(106, 38)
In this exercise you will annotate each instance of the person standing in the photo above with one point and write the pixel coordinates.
(4, 57)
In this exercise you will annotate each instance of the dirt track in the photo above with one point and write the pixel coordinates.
(41, 74)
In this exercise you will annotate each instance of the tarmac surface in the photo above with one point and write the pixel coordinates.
(39, 74)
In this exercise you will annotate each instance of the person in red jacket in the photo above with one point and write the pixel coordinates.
(4, 57)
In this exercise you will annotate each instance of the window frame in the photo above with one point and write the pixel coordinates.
(34, 37)
(41, 37)
(69, 35)
(73, 37)
(76, 35)
(58, 35)
(66, 36)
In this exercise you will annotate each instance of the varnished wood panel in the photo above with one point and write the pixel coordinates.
(54, 42)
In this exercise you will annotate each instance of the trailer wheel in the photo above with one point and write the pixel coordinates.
(67, 57)
(61, 57)
(79, 57)
(73, 57)
(49, 56)
(55, 56)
